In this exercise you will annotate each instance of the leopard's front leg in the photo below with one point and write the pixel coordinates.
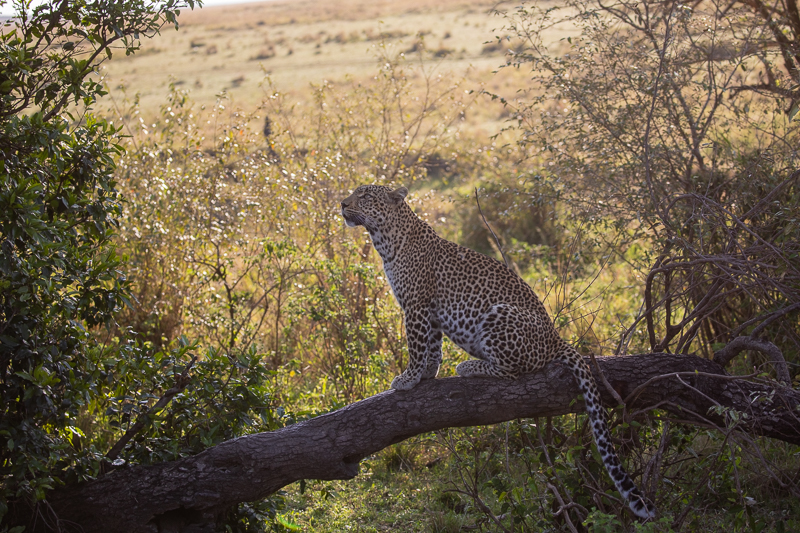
(434, 357)
(424, 349)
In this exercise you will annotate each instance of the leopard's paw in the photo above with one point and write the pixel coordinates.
(403, 382)
(472, 368)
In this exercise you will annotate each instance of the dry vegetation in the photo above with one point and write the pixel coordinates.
(233, 49)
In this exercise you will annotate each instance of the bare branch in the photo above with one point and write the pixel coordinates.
(739, 344)
(496, 240)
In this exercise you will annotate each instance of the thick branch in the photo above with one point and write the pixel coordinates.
(189, 494)
(739, 344)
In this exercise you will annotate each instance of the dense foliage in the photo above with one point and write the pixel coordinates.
(60, 276)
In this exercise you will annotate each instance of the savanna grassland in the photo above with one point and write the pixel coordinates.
(234, 49)
(641, 177)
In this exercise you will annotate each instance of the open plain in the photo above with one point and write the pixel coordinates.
(239, 52)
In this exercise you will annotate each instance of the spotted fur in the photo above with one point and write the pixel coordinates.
(481, 305)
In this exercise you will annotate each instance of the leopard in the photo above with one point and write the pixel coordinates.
(481, 305)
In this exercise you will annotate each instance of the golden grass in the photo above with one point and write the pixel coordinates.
(276, 13)
(231, 49)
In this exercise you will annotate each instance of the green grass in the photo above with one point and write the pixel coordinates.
(398, 489)
(421, 486)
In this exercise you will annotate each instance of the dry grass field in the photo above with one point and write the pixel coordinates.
(233, 49)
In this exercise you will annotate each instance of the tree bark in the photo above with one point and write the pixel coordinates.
(189, 495)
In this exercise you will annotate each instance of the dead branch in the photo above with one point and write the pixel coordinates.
(739, 344)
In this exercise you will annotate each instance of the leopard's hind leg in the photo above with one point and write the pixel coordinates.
(478, 368)
(508, 343)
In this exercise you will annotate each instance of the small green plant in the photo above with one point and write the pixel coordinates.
(445, 522)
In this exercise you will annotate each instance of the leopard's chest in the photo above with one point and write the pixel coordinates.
(392, 278)
(408, 283)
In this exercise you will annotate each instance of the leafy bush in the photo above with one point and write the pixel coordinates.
(60, 275)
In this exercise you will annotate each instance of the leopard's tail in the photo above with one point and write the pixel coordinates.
(602, 438)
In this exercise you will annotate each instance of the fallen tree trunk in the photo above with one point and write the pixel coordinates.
(189, 494)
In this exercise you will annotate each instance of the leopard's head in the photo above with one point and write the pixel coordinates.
(373, 206)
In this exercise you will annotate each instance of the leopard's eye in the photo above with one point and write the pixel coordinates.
(368, 196)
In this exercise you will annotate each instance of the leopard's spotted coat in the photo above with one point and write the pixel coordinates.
(481, 305)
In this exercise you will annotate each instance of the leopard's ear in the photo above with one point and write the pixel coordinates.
(398, 195)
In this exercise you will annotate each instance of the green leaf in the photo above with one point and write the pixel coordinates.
(793, 113)
(282, 520)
